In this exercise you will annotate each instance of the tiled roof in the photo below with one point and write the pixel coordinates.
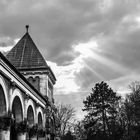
(25, 55)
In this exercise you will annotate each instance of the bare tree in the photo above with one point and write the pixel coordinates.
(134, 86)
(65, 116)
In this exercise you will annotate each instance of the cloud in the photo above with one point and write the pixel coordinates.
(57, 25)
(65, 78)
(84, 41)
(111, 30)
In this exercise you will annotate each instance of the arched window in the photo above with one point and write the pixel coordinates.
(35, 82)
(30, 79)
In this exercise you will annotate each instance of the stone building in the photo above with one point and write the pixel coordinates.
(27, 108)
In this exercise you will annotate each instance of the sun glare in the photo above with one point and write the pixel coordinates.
(67, 84)
(86, 49)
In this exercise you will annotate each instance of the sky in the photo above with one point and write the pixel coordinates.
(83, 41)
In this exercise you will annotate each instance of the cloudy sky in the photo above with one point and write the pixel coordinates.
(84, 41)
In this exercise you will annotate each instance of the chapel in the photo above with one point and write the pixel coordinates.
(27, 109)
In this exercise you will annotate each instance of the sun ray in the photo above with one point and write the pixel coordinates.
(110, 63)
(95, 72)
(91, 50)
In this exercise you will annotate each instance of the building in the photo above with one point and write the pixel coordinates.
(27, 108)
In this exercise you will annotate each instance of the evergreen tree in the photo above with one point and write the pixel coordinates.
(101, 106)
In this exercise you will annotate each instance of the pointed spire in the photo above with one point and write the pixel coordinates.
(27, 27)
(25, 54)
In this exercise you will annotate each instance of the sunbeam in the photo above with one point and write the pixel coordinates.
(95, 72)
(90, 49)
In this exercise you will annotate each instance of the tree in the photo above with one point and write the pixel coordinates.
(79, 130)
(65, 116)
(101, 106)
(68, 136)
(131, 111)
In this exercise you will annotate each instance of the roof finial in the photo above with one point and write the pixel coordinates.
(27, 27)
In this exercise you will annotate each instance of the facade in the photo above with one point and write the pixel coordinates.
(27, 108)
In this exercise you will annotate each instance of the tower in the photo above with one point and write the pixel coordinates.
(28, 60)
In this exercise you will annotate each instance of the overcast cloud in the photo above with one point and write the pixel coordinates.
(84, 41)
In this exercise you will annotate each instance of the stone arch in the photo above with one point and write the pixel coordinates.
(30, 79)
(40, 118)
(31, 113)
(37, 78)
(17, 93)
(17, 109)
(35, 81)
(30, 116)
(2, 102)
(4, 97)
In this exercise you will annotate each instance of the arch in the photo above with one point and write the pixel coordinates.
(17, 93)
(37, 78)
(30, 79)
(2, 102)
(32, 110)
(30, 116)
(40, 120)
(37, 82)
(40, 111)
(34, 81)
(17, 109)
(4, 92)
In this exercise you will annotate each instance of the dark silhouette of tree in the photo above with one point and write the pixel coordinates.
(68, 136)
(101, 106)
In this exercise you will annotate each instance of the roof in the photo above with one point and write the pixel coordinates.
(25, 54)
